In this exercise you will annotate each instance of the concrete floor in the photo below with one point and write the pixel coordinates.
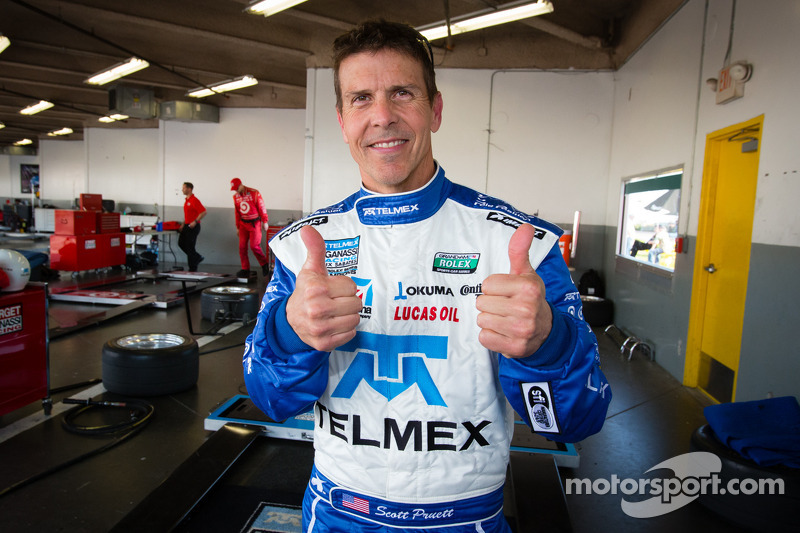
(650, 420)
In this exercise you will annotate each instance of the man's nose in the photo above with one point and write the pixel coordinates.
(384, 112)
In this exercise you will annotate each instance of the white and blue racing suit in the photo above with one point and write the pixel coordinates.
(413, 425)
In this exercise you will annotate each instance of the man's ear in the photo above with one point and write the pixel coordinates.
(438, 104)
(341, 125)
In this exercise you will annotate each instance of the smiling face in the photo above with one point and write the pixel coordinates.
(387, 120)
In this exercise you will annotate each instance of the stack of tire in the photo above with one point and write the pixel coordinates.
(150, 364)
(229, 301)
(597, 310)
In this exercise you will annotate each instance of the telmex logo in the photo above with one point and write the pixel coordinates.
(397, 210)
(399, 365)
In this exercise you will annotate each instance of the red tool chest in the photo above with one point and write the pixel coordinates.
(71, 222)
(24, 371)
(107, 222)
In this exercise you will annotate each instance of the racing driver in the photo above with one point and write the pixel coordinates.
(410, 315)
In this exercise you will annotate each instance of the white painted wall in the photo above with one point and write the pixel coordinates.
(262, 147)
(10, 174)
(663, 110)
(64, 165)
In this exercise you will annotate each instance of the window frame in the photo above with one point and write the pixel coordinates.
(662, 181)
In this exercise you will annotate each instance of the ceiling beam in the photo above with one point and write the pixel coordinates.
(110, 58)
(159, 25)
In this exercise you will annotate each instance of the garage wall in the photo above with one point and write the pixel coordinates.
(143, 170)
(663, 112)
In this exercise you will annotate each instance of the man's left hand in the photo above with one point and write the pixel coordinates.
(513, 315)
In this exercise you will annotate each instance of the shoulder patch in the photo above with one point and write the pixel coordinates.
(311, 221)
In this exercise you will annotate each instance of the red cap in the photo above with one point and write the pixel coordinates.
(235, 184)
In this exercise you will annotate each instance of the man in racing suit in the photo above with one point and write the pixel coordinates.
(251, 213)
(408, 313)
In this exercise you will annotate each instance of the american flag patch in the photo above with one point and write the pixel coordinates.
(354, 502)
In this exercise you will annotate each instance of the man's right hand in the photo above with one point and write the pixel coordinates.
(323, 310)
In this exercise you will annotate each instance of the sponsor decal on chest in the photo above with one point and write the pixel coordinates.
(341, 256)
(456, 263)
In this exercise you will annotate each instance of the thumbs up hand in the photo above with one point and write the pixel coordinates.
(323, 310)
(513, 315)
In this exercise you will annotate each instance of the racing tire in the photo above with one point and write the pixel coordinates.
(150, 364)
(757, 512)
(239, 301)
(597, 312)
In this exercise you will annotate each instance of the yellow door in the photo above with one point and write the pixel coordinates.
(722, 259)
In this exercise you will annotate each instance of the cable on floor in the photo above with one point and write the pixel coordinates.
(220, 349)
(140, 414)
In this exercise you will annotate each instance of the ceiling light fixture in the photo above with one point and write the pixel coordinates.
(36, 108)
(113, 118)
(4, 42)
(23, 142)
(270, 7)
(476, 21)
(2, 125)
(62, 131)
(116, 72)
(223, 86)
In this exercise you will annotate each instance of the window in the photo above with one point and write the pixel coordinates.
(649, 224)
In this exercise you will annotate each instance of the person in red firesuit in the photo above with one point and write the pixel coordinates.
(251, 213)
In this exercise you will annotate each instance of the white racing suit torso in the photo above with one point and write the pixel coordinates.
(412, 412)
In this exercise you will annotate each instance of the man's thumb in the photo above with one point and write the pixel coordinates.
(518, 248)
(315, 250)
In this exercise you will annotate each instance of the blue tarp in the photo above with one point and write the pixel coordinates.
(765, 431)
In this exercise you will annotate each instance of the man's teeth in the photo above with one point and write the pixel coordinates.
(388, 144)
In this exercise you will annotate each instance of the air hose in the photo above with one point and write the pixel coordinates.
(140, 414)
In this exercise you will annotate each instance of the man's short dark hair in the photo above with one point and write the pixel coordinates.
(189, 184)
(375, 35)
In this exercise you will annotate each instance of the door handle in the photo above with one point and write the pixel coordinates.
(710, 268)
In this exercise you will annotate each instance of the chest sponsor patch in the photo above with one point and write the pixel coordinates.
(341, 256)
(539, 403)
(455, 263)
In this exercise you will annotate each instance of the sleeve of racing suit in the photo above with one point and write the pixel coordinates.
(283, 375)
(262, 207)
(567, 365)
(236, 215)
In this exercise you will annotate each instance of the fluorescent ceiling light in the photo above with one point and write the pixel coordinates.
(36, 108)
(476, 21)
(23, 142)
(62, 131)
(223, 86)
(113, 118)
(116, 72)
(270, 7)
(4, 42)
(2, 125)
